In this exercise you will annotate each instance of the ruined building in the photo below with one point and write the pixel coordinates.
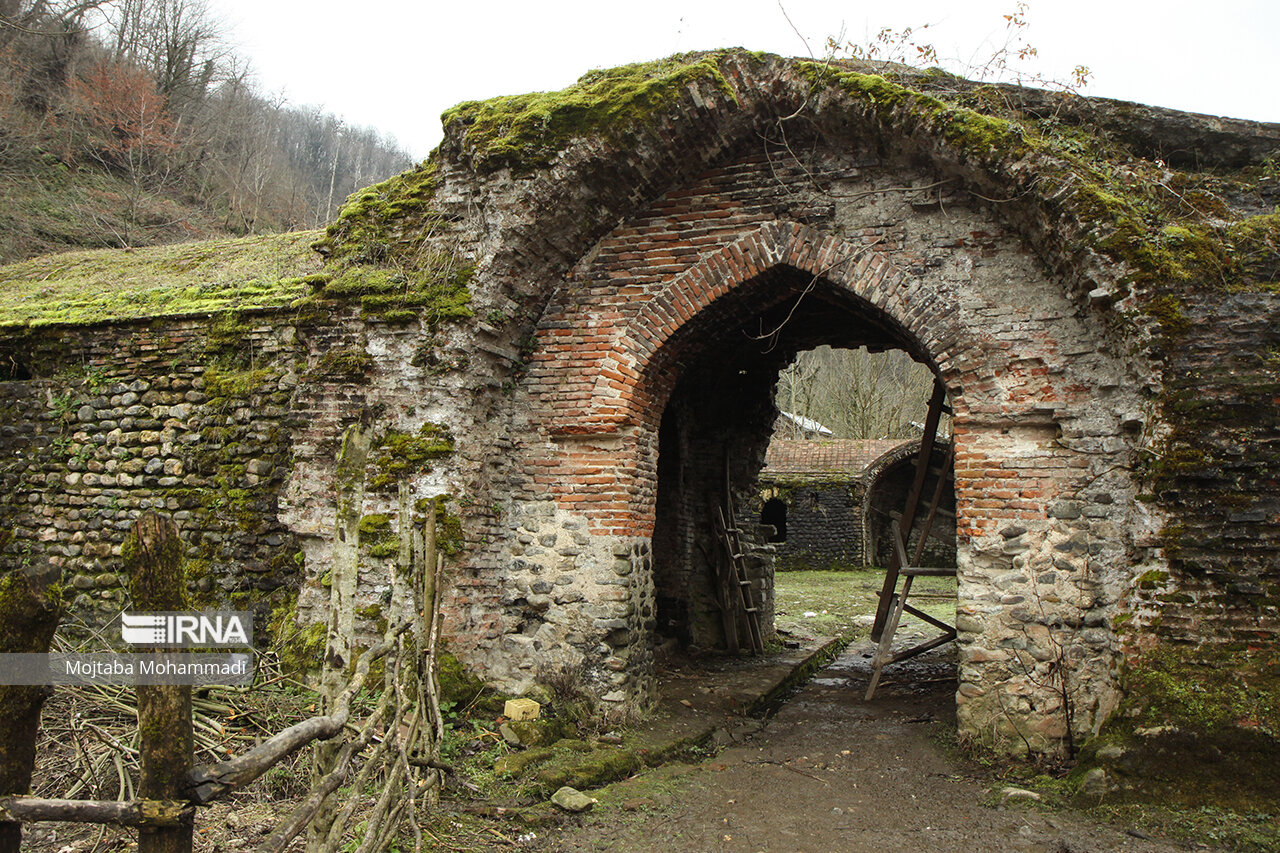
(560, 336)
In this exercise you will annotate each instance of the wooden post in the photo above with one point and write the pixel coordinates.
(28, 620)
(153, 559)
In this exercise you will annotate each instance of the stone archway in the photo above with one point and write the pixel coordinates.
(885, 484)
(618, 342)
(859, 257)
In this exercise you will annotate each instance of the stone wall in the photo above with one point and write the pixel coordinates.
(824, 524)
(132, 419)
(634, 290)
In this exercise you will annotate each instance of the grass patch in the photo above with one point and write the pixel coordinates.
(189, 278)
(1251, 832)
(837, 599)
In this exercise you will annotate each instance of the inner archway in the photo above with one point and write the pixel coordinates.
(722, 368)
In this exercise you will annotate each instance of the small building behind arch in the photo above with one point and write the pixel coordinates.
(830, 501)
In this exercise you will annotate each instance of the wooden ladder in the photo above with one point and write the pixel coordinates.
(893, 603)
(738, 595)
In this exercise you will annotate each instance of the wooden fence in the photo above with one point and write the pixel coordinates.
(401, 735)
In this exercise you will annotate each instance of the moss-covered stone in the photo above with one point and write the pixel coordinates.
(433, 292)
(458, 687)
(399, 454)
(353, 361)
(1198, 727)
(299, 648)
(524, 132)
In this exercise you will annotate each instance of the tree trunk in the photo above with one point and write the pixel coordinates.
(153, 558)
(28, 620)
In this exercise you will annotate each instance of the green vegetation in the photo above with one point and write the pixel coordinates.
(391, 253)
(47, 205)
(400, 454)
(299, 649)
(837, 598)
(1198, 705)
(971, 132)
(1247, 831)
(388, 219)
(524, 132)
(353, 361)
(433, 289)
(191, 278)
(157, 579)
(1208, 691)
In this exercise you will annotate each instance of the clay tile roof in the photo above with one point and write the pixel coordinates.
(826, 456)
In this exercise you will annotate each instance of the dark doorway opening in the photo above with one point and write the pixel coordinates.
(774, 514)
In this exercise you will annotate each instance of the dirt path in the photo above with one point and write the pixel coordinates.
(830, 772)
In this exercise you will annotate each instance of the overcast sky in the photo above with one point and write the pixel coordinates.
(395, 65)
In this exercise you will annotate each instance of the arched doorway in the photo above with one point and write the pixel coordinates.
(774, 514)
(652, 383)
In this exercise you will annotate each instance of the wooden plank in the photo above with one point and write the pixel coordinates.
(925, 617)
(907, 520)
(886, 638)
(933, 506)
(919, 572)
(921, 649)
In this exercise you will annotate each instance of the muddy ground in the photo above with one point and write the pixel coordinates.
(829, 771)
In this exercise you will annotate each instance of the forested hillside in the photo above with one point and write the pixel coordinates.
(133, 122)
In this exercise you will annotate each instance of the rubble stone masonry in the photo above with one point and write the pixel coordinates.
(634, 295)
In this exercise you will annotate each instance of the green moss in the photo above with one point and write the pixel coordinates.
(23, 610)
(1168, 310)
(1207, 690)
(542, 731)
(407, 283)
(458, 687)
(399, 454)
(383, 221)
(1153, 579)
(1198, 727)
(351, 361)
(448, 528)
(381, 255)
(386, 548)
(524, 132)
(373, 612)
(591, 770)
(375, 526)
(299, 648)
(157, 580)
(224, 386)
(967, 130)
(517, 763)
(191, 278)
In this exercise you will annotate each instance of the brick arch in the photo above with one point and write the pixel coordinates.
(873, 480)
(593, 380)
(621, 394)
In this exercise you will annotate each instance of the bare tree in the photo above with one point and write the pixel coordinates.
(856, 393)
